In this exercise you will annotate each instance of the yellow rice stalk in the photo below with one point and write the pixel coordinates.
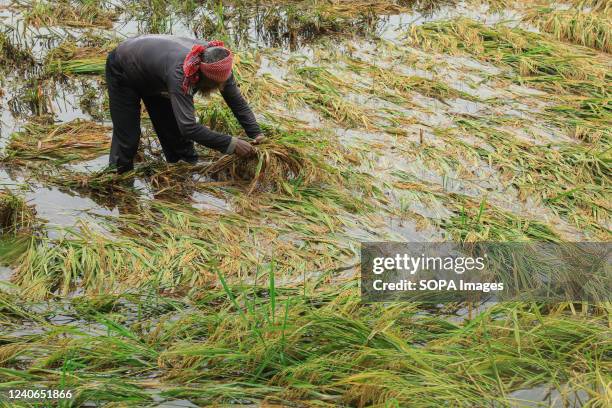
(588, 29)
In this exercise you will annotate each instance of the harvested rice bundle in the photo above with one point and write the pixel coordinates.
(67, 142)
(15, 215)
(83, 66)
(69, 50)
(68, 58)
(274, 164)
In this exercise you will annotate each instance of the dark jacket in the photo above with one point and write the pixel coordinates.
(153, 65)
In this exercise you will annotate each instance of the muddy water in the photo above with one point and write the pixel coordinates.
(5, 274)
(25, 96)
(58, 209)
(549, 396)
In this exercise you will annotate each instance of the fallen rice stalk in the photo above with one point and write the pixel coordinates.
(406, 85)
(584, 28)
(572, 179)
(540, 62)
(15, 215)
(588, 119)
(42, 13)
(322, 93)
(65, 142)
(296, 347)
(472, 220)
(269, 343)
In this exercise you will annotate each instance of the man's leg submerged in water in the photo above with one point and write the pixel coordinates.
(125, 113)
(175, 146)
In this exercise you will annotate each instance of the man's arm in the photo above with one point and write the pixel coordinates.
(183, 109)
(240, 107)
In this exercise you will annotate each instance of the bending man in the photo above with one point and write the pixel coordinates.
(165, 72)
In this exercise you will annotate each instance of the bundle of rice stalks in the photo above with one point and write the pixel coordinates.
(83, 66)
(15, 215)
(274, 164)
(72, 141)
(69, 50)
(588, 29)
(283, 157)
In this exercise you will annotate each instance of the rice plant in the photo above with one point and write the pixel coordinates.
(537, 60)
(584, 28)
(572, 179)
(265, 343)
(599, 6)
(324, 96)
(473, 220)
(406, 85)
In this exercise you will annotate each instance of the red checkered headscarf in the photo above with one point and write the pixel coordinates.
(218, 71)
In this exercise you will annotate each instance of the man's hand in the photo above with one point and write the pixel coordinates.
(244, 149)
(260, 138)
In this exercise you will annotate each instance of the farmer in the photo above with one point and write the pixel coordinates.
(165, 72)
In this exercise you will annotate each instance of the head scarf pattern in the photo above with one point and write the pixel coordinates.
(218, 71)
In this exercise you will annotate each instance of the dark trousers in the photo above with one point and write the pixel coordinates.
(125, 114)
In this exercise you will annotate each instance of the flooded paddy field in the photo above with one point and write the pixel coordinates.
(233, 283)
